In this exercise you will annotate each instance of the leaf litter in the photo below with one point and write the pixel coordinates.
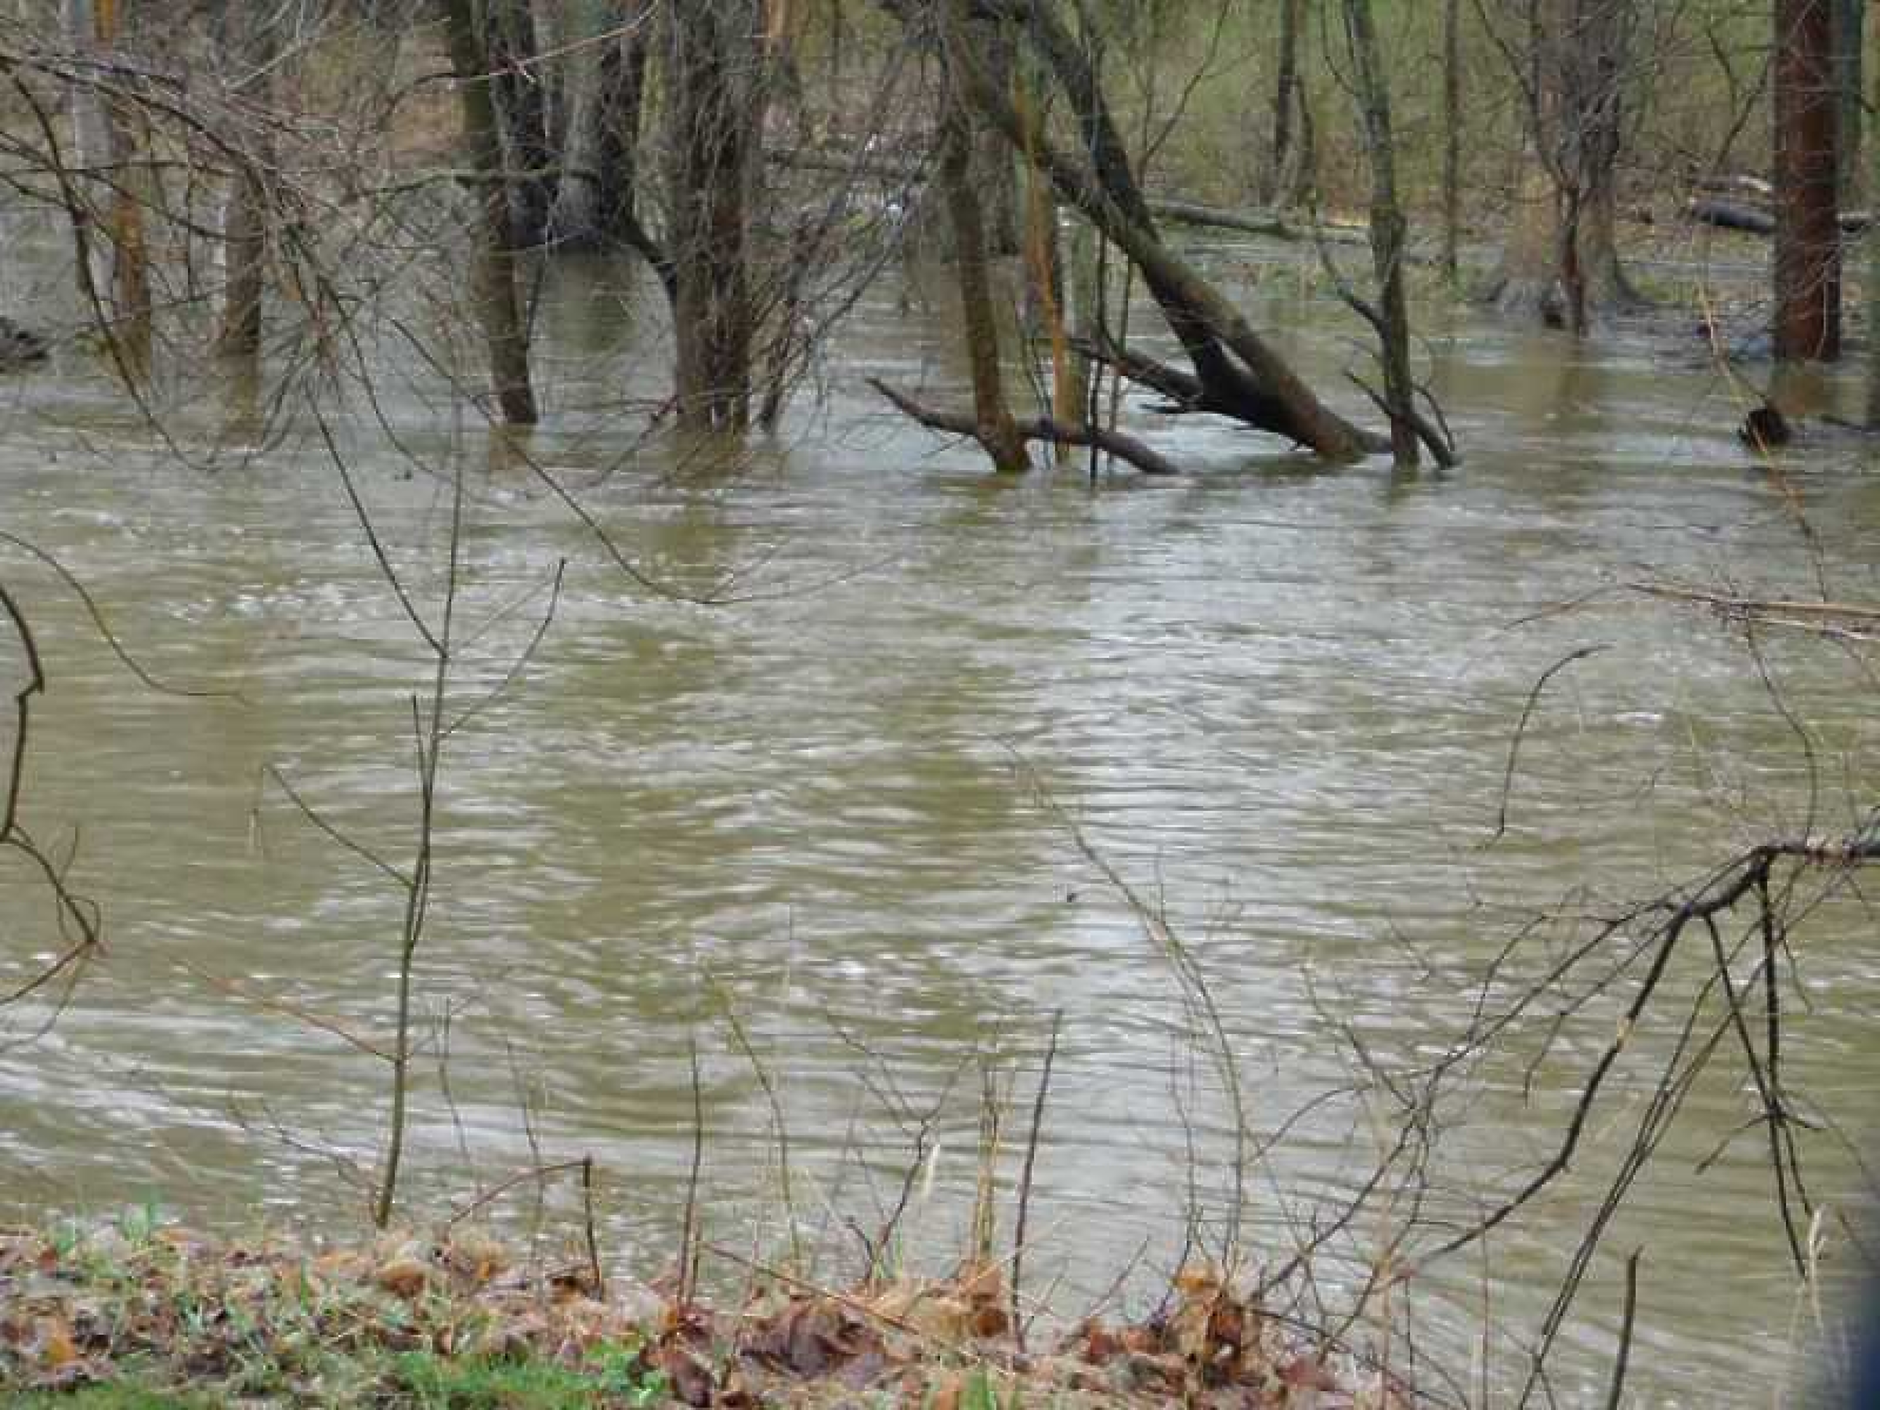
(268, 1321)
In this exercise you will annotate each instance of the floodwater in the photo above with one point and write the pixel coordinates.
(830, 836)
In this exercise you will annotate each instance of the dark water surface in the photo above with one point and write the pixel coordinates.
(1277, 698)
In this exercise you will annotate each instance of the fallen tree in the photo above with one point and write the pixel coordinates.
(1041, 429)
(1235, 372)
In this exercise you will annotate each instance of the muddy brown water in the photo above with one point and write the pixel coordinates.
(1277, 698)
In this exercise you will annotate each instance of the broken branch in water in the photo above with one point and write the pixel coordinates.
(1039, 428)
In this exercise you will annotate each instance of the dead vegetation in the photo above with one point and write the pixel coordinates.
(465, 1320)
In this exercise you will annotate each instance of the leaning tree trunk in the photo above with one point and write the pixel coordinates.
(493, 261)
(1807, 234)
(711, 59)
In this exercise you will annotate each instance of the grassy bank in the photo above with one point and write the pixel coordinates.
(138, 1315)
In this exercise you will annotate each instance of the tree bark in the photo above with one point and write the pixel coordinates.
(1808, 234)
(520, 88)
(133, 194)
(1285, 100)
(1388, 229)
(1849, 44)
(992, 418)
(250, 47)
(91, 151)
(711, 56)
(492, 264)
(1452, 139)
(1873, 283)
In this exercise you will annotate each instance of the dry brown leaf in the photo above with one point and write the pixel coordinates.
(56, 1347)
(403, 1276)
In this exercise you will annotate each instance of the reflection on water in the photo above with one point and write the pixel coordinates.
(1278, 698)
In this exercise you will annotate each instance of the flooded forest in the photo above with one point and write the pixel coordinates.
(938, 702)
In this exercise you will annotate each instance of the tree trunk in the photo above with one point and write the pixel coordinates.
(1387, 233)
(1873, 283)
(250, 49)
(1808, 233)
(493, 262)
(994, 172)
(992, 418)
(1285, 100)
(1562, 259)
(1452, 139)
(712, 56)
(91, 144)
(604, 93)
(1849, 43)
(134, 192)
(520, 87)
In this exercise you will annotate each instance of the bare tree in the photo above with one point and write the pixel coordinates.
(992, 417)
(250, 46)
(1391, 315)
(1286, 99)
(1569, 59)
(711, 62)
(493, 264)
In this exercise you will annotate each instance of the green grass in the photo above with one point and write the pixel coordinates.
(434, 1383)
(112, 1397)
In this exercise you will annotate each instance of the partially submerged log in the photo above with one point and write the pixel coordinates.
(1044, 429)
(19, 345)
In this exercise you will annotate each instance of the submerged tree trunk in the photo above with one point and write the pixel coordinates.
(1392, 315)
(711, 60)
(992, 418)
(493, 261)
(1808, 233)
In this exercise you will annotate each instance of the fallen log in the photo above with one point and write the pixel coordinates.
(1045, 429)
(1733, 215)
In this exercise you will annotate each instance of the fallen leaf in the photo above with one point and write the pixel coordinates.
(402, 1276)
